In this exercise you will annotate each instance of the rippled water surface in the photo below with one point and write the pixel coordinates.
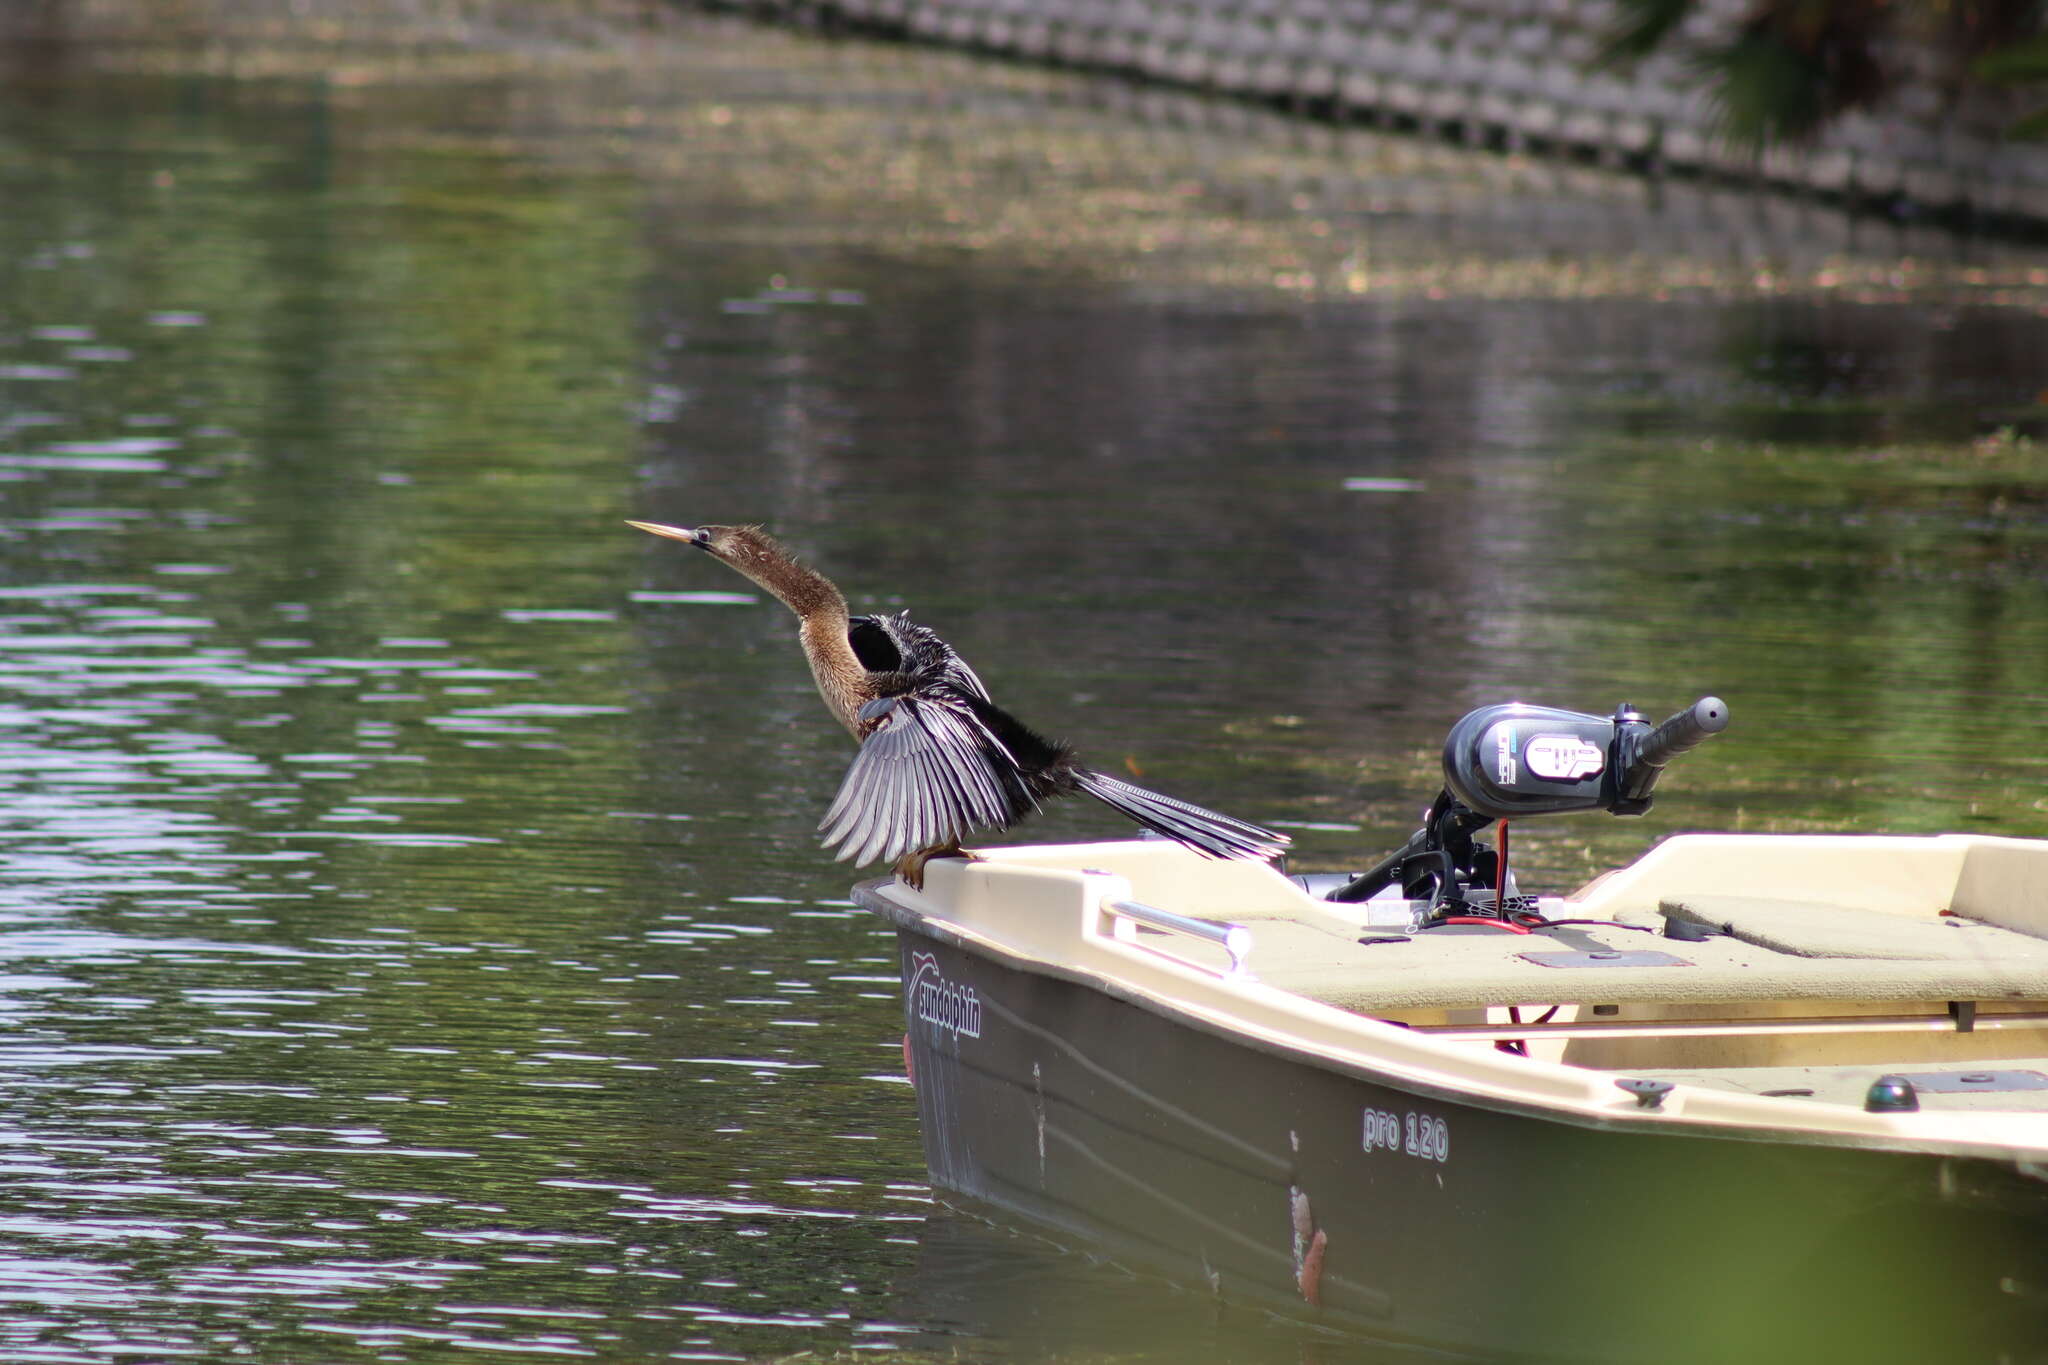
(414, 944)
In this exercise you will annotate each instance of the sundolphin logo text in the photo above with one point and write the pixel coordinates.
(941, 1003)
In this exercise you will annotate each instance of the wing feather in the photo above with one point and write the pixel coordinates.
(929, 773)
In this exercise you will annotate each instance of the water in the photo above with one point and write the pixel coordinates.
(416, 945)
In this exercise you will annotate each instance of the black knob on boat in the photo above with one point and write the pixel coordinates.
(1891, 1095)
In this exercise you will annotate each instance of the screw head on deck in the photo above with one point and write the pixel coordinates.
(1891, 1095)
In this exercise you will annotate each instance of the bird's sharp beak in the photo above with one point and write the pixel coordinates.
(655, 528)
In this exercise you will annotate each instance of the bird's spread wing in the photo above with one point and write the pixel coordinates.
(928, 773)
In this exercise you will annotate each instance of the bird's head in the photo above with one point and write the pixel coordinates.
(738, 546)
(755, 553)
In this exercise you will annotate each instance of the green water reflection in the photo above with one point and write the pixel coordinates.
(417, 939)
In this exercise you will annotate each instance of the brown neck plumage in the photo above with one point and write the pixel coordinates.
(821, 617)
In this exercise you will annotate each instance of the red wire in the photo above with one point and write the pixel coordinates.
(1500, 893)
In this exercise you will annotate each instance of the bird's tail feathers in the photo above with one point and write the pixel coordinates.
(1205, 831)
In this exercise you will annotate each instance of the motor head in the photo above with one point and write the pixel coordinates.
(1511, 761)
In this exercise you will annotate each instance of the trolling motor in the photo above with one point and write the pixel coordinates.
(1509, 762)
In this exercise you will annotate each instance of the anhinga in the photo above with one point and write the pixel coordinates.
(938, 760)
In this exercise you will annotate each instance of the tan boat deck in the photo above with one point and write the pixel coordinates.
(1462, 966)
(1941, 959)
(1881, 920)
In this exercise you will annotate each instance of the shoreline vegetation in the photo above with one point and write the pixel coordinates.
(1038, 167)
(1905, 114)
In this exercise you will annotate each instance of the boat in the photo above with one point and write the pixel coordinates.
(1753, 1096)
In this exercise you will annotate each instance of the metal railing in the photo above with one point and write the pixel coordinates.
(1234, 939)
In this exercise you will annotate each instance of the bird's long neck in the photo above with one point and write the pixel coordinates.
(822, 620)
(841, 677)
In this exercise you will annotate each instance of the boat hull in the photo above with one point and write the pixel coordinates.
(1371, 1204)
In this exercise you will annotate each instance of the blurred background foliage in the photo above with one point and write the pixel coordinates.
(1793, 66)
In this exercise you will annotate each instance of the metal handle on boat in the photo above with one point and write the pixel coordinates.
(1687, 730)
(1234, 939)
(1640, 754)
